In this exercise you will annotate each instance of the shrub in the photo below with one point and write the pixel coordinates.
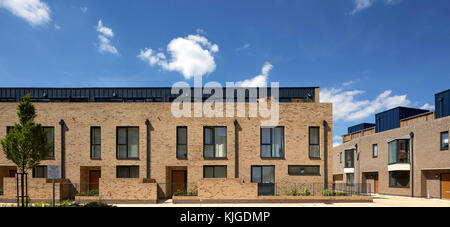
(291, 192)
(192, 192)
(328, 192)
(304, 192)
(97, 204)
(89, 193)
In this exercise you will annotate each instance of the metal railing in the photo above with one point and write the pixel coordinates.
(315, 189)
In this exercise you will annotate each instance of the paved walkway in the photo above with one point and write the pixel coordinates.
(379, 201)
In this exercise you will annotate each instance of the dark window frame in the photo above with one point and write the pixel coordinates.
(179, 144)
(394, 186)
(310, 144)
(340, 157)
(213, 141)
(304, 174)
(373, 151)
(443, 148)
(283, 155)
(408, 153)
(52, 155)
(44, 173)
(128, 172)
(93, 144)
(353, 159)
(261, 185)
(117, 143)
(214, 171)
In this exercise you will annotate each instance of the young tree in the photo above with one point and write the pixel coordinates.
(26, 144)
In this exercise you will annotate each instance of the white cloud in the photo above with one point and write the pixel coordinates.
(361, 5)
(346, 108)
(104, 42)
(84, 9)
(348, 83)
(191, 56)
(57, 27)
(260, 80)
(33, 11)
(246, 46)
(428, 107)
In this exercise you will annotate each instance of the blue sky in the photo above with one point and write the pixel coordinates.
(366, 55)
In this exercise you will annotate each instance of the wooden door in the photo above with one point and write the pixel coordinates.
(12, 173)
(445, 186)
(376, 184)
(94, 179)
(178, 181)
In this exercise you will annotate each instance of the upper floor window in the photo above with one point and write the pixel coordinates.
(444, 140)
(350, 158)
(215, 142)
(375, 150)
(314, 142)
(9, 129)
(304, 170)
(127, 142)
(340, 158)
(272, 142)
(96, 144)
(50, 132)
(214, 172)
(127, 171)
(399, 151)
(40, 172)
(182, 135)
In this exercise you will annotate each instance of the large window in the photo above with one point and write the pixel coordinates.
(272, 142)
(399, 179)
(375, 150)
(350, 179)
(304, 170)
(350, 158)
(50, 132)
(265, 177)
(127, 171)
(444, 140)
(40, 172)
(182, 138)
(96, 144)
(314, 142)
(215, 142)
(127, 142)
(214, 172)
(399, 151)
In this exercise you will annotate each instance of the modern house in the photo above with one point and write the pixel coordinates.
(404, 153)
(120, 140)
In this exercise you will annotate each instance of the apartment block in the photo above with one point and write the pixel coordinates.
(127, 144)
(405, 152)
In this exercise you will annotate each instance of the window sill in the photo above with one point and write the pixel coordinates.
(182, 159)
(444, 149)
(315, 158)
(49, 159)
(215, 158)
(273, 158)
(312, 174)
(131, 159)
(399, 187)
(96, 159)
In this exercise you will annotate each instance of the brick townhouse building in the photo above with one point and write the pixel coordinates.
(126, 143)
(405, 152)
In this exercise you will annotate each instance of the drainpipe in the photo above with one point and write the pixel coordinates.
(357, 168)
(412, 163)
(147, 123)
(63, 169)
(325, 159)
(236, 149)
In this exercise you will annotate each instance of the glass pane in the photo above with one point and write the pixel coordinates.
(96, 139)
(403, 154)
(375, 150)
(278, 140)
(349, 159)
(208, 135)
(266, 151)
(121, 135)
(182, 136)
(314, 151)
(221, 142)
(133, 142)
(256, 174)
(122, 151)
(265, 135)
(444, 139)
(122, 172)
(393, 152)
(220, 172)
(268, 174)
(134, 172)
(96, 151)
(304, 170)
(209, 172)
(209, 151)
(50, 134)
(313, 135)
(182, 151)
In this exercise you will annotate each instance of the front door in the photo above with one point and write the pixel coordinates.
(179, 181)
(376, 183)
(445, 186)
(94, 179)
(265, 177)
(12, 173)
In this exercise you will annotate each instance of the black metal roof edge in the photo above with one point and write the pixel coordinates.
(442, 92)
(400, 107)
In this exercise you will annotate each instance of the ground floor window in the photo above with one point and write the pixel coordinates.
(127, 171)
(350, 179)
(265, 177)
(40, 172)
(304, 170)
(214, 172)
(399, 179)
